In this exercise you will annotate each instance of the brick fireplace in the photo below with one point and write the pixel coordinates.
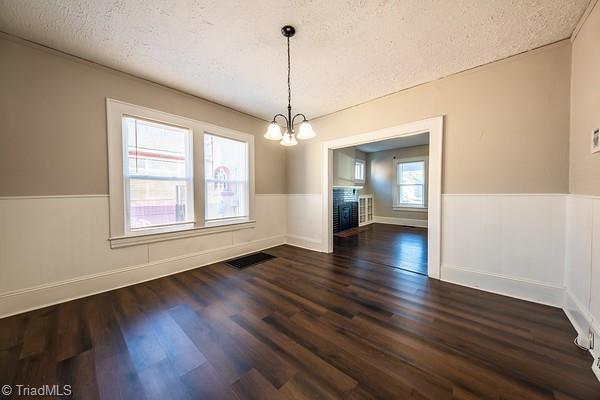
(345, 209)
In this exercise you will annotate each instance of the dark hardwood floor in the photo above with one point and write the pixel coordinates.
(305, 325)
(394, 245)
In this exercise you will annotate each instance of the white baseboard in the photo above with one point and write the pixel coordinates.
(582, 321)
(419, 223)
(538, 292)
(304, 242)
(22, 300)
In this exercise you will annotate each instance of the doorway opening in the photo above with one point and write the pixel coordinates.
(382, 196)
(379, 198)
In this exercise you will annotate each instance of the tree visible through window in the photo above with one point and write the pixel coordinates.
(409, 190)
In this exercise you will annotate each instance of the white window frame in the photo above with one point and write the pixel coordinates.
(217, 221)
(364, 166)
(396, 205)
(127, 178)
(120, 234)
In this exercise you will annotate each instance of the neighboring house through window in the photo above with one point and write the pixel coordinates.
(157, 176)
(170, 174)
(226, 178)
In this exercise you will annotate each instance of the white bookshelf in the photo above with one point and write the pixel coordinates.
(365, 209)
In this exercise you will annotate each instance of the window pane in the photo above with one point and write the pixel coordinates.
(359, 171)
(158, 202)
(411, 173)
(226, 177)
(157, 173)
(411, 195)
(155, 149)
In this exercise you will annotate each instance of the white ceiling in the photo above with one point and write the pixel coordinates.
(344, 52)
(395, 143)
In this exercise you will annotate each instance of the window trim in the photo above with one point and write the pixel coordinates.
(118, 234)
(407, 207)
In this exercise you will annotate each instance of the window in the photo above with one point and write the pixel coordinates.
(410, 188)
(226, 178)
(157, 177)
(174, 177)
(359, 171)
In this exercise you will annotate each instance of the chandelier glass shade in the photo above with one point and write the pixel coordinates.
(305, 130)
(274, 131)
(289, 139)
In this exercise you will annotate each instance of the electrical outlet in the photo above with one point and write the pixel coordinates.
(591, 338)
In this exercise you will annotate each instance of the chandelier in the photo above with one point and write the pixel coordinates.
(305, 131)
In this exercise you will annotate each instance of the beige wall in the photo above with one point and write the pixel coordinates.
(53, 122)
(381, 179)
(343, 165)
(506, 126)
(585, 107)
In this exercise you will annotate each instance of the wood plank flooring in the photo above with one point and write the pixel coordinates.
(305, 325)
(394, 245)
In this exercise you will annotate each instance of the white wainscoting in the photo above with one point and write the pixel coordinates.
(511, 244)
(420, 223)
(304, 221)
(582, 266)
(56, 248)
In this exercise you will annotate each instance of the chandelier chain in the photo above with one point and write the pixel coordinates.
(289, 71)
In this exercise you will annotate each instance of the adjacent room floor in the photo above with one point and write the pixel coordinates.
(302, 325)
(394, 245)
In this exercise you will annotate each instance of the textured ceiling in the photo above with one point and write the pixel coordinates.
(344, 52)
(395, 143)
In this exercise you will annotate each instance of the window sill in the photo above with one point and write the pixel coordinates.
(135, 239)
(415, 209)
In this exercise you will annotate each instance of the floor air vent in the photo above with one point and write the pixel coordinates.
(246, 261)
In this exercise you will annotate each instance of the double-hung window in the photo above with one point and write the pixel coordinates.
(410, 186)
(359, 171)
(172, 177)
(157, 174)
(225, 178)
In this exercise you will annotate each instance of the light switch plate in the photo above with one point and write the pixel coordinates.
(596, 140)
